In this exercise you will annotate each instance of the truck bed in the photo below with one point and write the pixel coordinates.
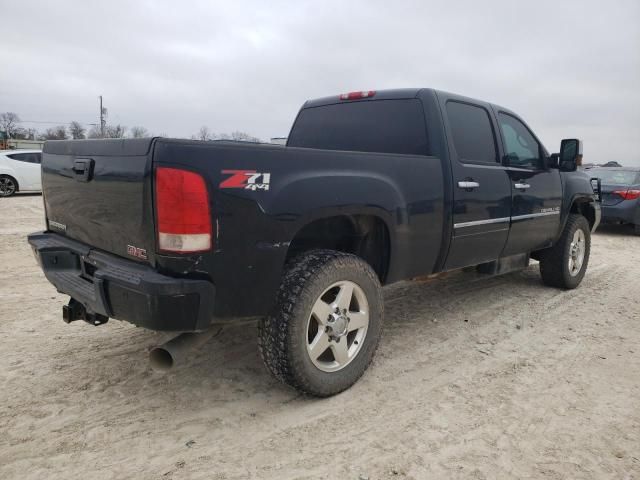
(101, 194)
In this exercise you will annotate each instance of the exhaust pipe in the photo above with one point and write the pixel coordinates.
(163, 357)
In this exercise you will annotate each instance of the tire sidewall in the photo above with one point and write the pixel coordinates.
(337, 269)
(15, 186)
(581, 223)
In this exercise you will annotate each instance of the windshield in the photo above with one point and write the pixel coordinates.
(616, 177)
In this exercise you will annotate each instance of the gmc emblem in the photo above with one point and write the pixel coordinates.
(140, 253)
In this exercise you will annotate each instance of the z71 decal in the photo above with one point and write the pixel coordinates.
(246, 179)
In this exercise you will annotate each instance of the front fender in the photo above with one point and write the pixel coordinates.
(578, 194)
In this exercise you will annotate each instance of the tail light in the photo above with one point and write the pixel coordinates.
(182, 206)
(357, 95)
(628, 194)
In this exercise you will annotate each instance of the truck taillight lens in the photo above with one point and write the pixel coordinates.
(628, 194)
(357, 95)
(182, 206)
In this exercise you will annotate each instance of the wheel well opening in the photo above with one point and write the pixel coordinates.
(586, 210)
(366, 236)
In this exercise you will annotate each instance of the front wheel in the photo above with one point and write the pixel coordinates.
(565, 264)
(326, 326)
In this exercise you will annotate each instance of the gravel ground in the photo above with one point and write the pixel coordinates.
(475, 378)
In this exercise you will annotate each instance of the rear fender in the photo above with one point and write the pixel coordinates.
(6, 170)
(322, 195)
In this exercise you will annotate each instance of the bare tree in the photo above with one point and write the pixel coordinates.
(110, 131)
(20, 133)
(30, 133)
(94, 132)
(76, 130)
(139, 132)
(9, 123)
(244, 137)
(203, 134)
(55, 133)
(115, 131)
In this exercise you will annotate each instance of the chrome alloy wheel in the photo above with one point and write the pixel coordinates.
(337, 326)
(576, 252)
(7, 187)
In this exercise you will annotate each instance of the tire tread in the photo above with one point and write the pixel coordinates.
(553, 260)
(274, 337)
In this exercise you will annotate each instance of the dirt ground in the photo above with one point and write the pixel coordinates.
(475, 378)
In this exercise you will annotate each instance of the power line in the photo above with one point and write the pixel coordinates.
(54, 123)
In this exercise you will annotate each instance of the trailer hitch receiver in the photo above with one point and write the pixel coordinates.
(74, 310)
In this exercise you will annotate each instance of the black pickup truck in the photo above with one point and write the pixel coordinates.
(372, 187)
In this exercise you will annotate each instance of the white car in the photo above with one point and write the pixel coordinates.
(20, 171)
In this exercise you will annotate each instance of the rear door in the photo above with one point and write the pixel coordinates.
(537, 189)
(482, 188)
(99, 192)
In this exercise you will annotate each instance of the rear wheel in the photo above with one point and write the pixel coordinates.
(565, 264)
(636, 229)
(8, 186)
(326, 326)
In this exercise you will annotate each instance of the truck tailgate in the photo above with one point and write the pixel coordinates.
(99, 192)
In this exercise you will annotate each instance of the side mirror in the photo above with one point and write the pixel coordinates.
(570, 157)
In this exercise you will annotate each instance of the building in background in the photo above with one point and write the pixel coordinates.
(279, 140)
(15, 144)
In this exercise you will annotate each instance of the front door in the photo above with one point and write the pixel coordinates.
(481, 185)
(537, 189)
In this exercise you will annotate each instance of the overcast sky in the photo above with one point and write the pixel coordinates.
(569, 68)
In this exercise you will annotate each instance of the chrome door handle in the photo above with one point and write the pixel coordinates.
(522, 186)
(467, 184)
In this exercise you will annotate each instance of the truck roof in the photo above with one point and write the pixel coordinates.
(393, 94)
(390, 94)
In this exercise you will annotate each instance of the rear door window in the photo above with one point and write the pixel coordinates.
(26, 157)
(473, 136)
(385, 126)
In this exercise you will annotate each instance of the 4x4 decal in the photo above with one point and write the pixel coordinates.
(246, 179)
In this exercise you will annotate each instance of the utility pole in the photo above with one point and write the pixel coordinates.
(102, 119)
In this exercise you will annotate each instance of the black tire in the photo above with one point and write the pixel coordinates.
(283, 336)
(554, 262)
(636, 229)
(8, 186)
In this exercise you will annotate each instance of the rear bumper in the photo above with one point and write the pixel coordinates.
(627, 211)
(123, 289)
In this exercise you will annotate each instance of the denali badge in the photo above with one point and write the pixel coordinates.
(246, 179)
(58, 226)
(140, 253)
